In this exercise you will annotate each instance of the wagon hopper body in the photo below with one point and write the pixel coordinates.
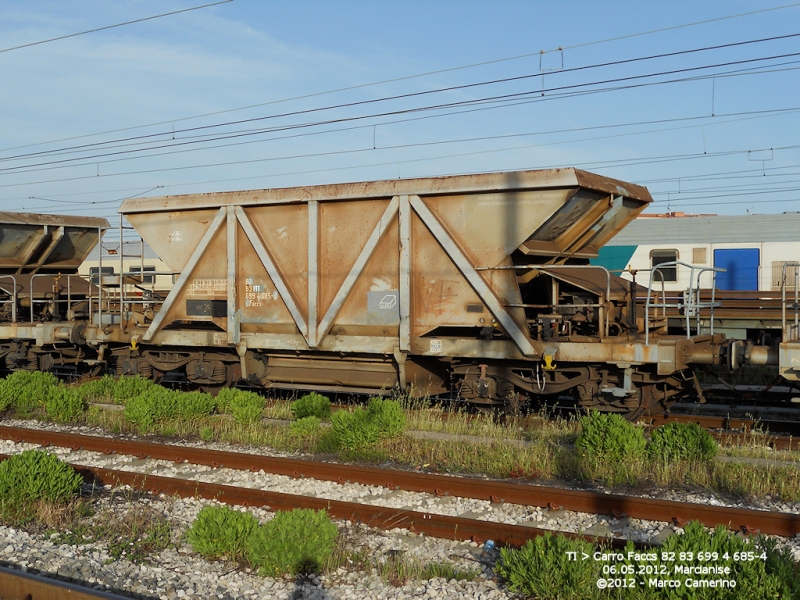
(477, 285)
(39, 260)
(465, 283)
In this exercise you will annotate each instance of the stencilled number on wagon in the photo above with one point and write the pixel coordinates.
(254, 293)
(436, 346)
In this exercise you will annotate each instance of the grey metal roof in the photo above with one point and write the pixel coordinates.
(715, 229)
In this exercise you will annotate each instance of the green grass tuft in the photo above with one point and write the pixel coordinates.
(543, 569)
(34, 476)
(27, 392)
(296, 541)
(609, 448)
(115, 390)
(66, 404)
(312, 405)
(221, 532)
(305, 427)
(681, 441)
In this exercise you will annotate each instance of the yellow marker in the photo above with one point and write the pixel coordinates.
(548, 363)
(134, 341)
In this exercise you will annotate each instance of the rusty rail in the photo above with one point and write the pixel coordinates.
(16, 585)
(747, 520)
(440, 526)
(777, 442)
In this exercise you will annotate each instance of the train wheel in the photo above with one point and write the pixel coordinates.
(654, 399)
(645, 399)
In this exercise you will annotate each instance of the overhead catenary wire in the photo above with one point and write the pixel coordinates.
(502, 97)
(369, 149)
(596, 164)
(467, 140)
(462, 87)
(415, 76)
(106, 27)
(727, 175)
(460, 111)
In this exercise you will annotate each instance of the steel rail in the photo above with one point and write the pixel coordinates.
(777, 442)
(16, 585)
(746, 520)
(379, 517)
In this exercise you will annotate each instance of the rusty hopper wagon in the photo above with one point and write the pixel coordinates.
(476, 285)
(39, 260)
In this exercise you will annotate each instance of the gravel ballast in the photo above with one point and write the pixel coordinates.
(177, 573)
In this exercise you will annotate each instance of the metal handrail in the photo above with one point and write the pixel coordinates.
(691, 297)
(13, 297)
(696, 305)
(601, 305)
(787, 335)
(122, 274)
(68, 300)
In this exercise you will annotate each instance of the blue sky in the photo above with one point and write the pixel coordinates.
(89, 120)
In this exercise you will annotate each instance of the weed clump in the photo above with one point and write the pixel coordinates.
(115, 390)
(681, 441)
(158, 404)
(305, 427)
(609, 437)
(190, 405)
(361, 428)
(354, 430)
(541, 568)
(609, 448)
(65, 404)
(221, 532)
(388, 416)
(35, 476)
(245, 406)
(146, 409)
(27, 392)
(312, 405)
(296, 541)
(40, 394)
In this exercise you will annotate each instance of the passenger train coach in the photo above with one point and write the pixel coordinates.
(747, 252)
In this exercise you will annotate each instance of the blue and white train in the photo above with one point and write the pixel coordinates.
(748, 252)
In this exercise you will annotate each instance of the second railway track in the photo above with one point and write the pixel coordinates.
(555, 498)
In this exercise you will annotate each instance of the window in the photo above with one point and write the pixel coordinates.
(777, 274)
(667, 274)
(93, 271)
(699, 256)
(145, 278)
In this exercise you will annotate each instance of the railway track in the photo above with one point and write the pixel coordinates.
(16, 585)
(738, 431)
(614, 505)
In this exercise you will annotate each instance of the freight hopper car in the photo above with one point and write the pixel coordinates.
(478, 285)
(45, 306)
(475, 285)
